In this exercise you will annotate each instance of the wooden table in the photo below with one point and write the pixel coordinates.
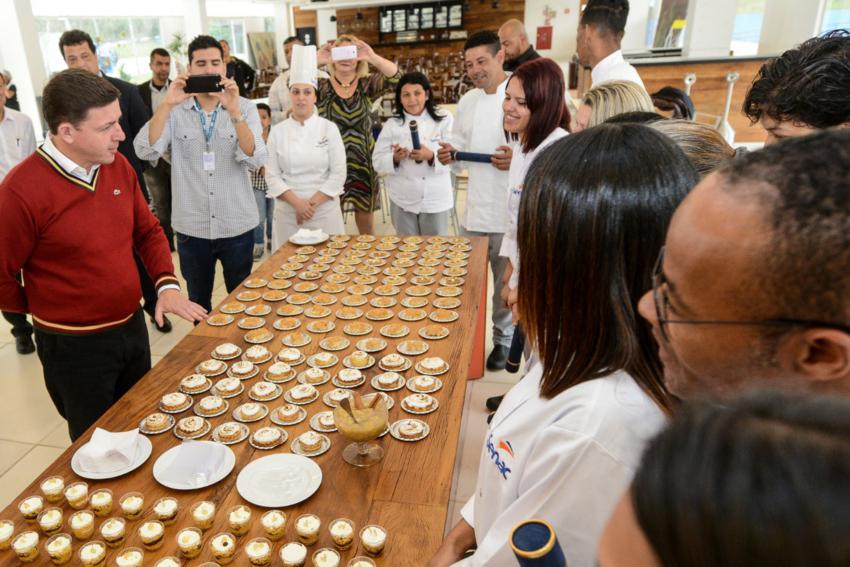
(407, 493)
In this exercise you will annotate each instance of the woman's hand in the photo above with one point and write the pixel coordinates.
(399, 153)
(422, 154)
(323, 54)
(444, 154)
(304, 211)
(501, 160)
(506, 277)
(364, 52)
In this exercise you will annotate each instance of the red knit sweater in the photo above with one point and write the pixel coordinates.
(74, 242)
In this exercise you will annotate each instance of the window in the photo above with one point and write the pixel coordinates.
(232, 30)
(747, 31)
(836, 16)
(123, 44)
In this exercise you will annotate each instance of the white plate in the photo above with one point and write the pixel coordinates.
(277, 481)
(301, 241)
(143, 452)
(191, 476)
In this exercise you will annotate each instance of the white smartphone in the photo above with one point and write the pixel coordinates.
(344, 52)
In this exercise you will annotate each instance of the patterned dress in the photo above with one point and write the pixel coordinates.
(353, 117)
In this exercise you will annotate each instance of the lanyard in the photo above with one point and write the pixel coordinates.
(208, 132)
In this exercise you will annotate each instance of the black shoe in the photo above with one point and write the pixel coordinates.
(490, 417)
(493, 403)
(24, 344)
(498, 358)
(165, 327)
(269, 245)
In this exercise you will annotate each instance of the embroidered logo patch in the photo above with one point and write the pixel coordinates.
(116, 191)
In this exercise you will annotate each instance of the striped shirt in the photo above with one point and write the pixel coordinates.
(208, 204)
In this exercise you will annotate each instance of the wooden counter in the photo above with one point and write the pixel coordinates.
(407, 493)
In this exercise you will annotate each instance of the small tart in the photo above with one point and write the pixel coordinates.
(434, 332)
(175, 402)
(232, 307)
(157, 423)
(228, 387)
(275, 295)
(443, 316)
(359, 289)
(348, 313)
(268, 437)
(414, 302)
(324, 299)
(226, 351)
(256, 282)
(357, 328)
(279, 372)
(412, 314)
(229, 431)
(366, 279)
(432, 365)
(310, 275)
(371, 344)
(395, 330)
(338, 279)
(289, 310)
(317, 311)
(349, 377)
(358, 358)
(323, 359)
(193, 425)
(242, 369)
(305, 287)
(332, 287)
(264, 391)
(314, 376)
(321, 326)
(334, 343)
(296, 339)
(210, 406)
(419, 403)
(251, 322)
(250, 411)
(447, 303)
(211, 367)
(449, 291)
(288, 414)
(195, 384)
(418, 291)
(384, 302)
(248, 295)
(389, 380)
(257, 354)
(286, 324)
(387, 290)
(394, 362)
(219, 319)
(412, 347)
(290, 356)
(354, 300)
(379, 314)
(283, 274)
(298, 299)
(258, 336)
(258, 310)
(302, 393)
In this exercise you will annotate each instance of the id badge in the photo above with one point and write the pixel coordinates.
(209, 161)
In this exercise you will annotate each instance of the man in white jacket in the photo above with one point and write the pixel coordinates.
(479, 129)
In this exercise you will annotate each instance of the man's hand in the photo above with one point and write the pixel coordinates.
(513, 299)
(461, 538)
(175, 94)
(399, 153)
(229, 97)
(501, 160)
(444, 154)
(444, 557)
(422, 154)
(172, 301)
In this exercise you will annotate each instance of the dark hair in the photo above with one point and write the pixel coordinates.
(635, 117)
(677, 100)
(487, 38)
(75, 37)
(203, 42)
(762, 481)
(159, 51)
(594, 213)
(607, 16)
(292, 39)
(809, 84)
(803, 185)
(264, 106)
(416, 78)
(543, 85)
(71, 93)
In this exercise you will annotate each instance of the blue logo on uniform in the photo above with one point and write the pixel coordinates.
(493, 451)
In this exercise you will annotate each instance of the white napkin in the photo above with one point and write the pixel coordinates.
(307, 234)
(108, 452)
(195, 463)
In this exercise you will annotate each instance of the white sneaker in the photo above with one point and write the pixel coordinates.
(258, 251)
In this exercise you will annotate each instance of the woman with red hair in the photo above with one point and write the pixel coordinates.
(536, 115)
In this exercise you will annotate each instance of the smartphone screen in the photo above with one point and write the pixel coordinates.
(203, 84)
(344, 52)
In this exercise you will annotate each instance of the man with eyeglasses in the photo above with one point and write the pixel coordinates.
(753, 286)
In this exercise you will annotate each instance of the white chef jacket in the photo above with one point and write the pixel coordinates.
(520, 162)
(17, 139)
(305, 158)
(415, 187)
(479, 128)
(614, 68)
(566, 460)
(279, 100)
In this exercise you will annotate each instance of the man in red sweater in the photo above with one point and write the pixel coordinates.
(70, 217)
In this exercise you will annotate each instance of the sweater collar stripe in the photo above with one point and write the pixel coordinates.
(75, 180)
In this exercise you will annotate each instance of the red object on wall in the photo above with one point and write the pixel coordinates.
(544, 37)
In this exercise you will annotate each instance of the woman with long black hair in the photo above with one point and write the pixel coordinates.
(420, 187)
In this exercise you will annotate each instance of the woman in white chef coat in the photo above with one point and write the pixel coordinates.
(535, 115)
(420, 187)
(305, 171)
(566, 439)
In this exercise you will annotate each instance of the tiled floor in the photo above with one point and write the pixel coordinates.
(32, 434)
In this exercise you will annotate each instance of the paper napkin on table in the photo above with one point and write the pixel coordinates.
(195, 463)
(107, 451)
(307, 234)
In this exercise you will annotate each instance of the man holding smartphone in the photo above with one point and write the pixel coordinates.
(215, 137)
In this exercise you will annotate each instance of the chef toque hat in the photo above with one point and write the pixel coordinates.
(304, 68)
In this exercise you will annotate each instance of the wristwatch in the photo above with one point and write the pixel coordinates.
(237, 120)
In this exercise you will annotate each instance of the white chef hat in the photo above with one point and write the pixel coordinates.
(304, 67)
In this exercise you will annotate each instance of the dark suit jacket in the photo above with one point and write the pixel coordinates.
(243, 74)
(134, 115)
(528, 55)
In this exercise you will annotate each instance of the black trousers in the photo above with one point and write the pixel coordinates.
(86, 374)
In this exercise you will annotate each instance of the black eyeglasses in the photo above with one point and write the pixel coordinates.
(659, 296)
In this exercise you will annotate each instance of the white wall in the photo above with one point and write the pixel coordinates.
(788, 23)
(564, 26)
(326, 29)
(709, 29)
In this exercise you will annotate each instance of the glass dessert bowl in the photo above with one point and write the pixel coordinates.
(370, 420)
